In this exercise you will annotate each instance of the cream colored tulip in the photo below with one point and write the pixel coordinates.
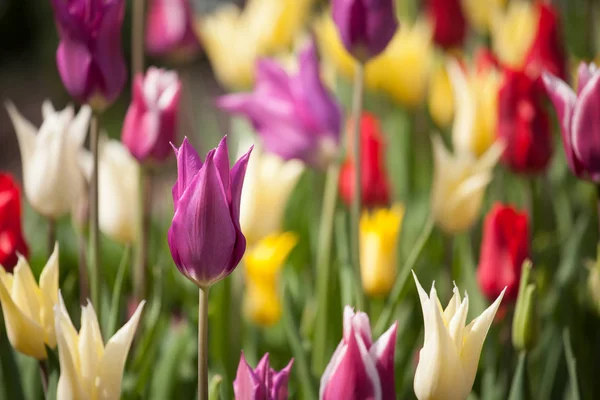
(451, 349)
(268, 184)
(476, 100)
(459, 183)
(53, 179)
(88, 369)
(118, 190)
(28, 308)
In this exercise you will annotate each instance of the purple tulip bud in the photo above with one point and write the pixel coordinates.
(365, 26)
(295, 116)
(89, 57)
(580, 124)
(205, 238)
(359, 368)
(151, 121)
(170, 29)
(262, 383)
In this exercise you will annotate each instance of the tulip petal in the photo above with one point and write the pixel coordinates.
(585, 72)
(49, 296)
(69, 387)
(26, 135)
(78, 128)
(74, 62)
(262, 368)
(188, 165)
(26, 292)
(247, 385)
(382, 352)
(464, 120)
(357, 323)
(221, 160)
(238, 173)
(91, 348)
(115, 354)
(279, 390)
(585, 126)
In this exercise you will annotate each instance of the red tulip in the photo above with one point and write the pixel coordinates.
(449, 24)
(504, 248)
(523, 123)
(547, 52)
(485, 60)
(374, 180)
(11, 234)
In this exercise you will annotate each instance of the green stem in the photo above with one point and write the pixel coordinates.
(84, 279)
(203, 344)
(44, 376)
(396, 295)
(94, 252)
(357, 104)
(324, 267)
(141, 255)
(137, 38)
(51, 235)
(519, 389)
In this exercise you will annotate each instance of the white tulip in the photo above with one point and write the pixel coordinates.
(118, 190)
(88, 369)
(52, 176)
(268, 184)
(450, 354)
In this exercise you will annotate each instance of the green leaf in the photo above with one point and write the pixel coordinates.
(214, 386)
(519, 389)
(115, 303)
(571, 365)
(10, 376)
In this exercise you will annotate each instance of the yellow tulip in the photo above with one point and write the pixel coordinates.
(379, 231)
(513, 33)
(88, 369)
(263, 263)
(459, 183)
(480, 13)
(441, 101)
(401, 71)
(28, 308)
(476, 99)
(234, 39)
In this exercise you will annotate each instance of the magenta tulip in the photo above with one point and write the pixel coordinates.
(262, 383)
(205, 238)
(360, 368)
(151, 121)
(170, 29)
(89, 57)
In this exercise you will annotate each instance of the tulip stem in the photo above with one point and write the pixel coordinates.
(44, 376)
(598, 205)
(84, 289)
(94, 252)
(51, 235)
(137, 38)
(357, 104)
(203, 344)
(141, 256)
(323, 264)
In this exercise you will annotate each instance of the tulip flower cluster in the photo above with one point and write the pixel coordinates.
(390, 143)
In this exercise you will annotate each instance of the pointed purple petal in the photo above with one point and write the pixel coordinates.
(262, 368)
(238, 172)
(357, 322)
(584, 74)
(586, 126)
(222, 164)
(73, 60)
(279, 388)
(188, 165)
(247, 386)
(382, 352)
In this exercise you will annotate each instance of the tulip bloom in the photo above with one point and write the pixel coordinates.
(523, 123)
(170, 29)
(504, 248)
(268, 184)
(235, 38)
(263, 263)
(205, 238)
(53, 179)
(579, 123)
(295, 116)
(476, 103)
(359, 367)
(89, 57)
(118, 193)
(448, 20)
(459, 182)
(481, 13)
(263, 382)
(151, 121)
(440, 101)
(374, 189)
(514, 32)
(12, 242)
(28, 308)
(451, 350)
(379, 232)
(88, 368)
(365, 27)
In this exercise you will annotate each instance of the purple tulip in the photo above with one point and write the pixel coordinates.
(365, 26)
(89, 57)
(296, 117)
(360, 369)
(205, 238)
(151, 121)
(580, 120)
(170, 29)
(262, 383)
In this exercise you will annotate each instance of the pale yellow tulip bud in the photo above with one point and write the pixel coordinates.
(379, 231)
(451, 349)
(513, 32)
(28, 308)
(441, 100)
(88, 368)
(480, 13)
(262, 304)
(459, 183)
